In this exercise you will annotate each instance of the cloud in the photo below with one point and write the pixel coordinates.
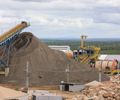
(113, 3)
(34, 0)
(45, 5)
(60, 16)
(60, 21)
(108, 18)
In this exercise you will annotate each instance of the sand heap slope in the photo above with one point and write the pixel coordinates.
(8, 94)
(46, 66)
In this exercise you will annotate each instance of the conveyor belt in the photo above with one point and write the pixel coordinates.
(8, 36)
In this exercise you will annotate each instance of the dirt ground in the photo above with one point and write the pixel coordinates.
(108, 90)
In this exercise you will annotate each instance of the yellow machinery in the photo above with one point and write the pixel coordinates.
(90, 53)
(117, 71)
(5, 41)
(6, 37)
(108, 66)
(86, 54)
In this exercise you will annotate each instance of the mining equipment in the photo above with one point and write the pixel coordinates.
(90, 55)
(5, 48)
(86, 54)
(108, 66)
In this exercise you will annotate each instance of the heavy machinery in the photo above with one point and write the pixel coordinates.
(86, 54)
(90, 54)
(108, 66)
(8, 36)
(5, 49)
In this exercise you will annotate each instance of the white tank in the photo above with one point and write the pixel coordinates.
(106, 64)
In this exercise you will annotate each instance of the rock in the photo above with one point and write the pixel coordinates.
(106, 95)
(93, 83)
(107, 91)
(101, 92)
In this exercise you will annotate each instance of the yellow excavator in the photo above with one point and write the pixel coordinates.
(86, 54)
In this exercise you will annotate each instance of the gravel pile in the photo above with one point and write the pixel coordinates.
(107, 91)
(46, 66)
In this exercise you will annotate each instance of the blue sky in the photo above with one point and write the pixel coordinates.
(63, 18)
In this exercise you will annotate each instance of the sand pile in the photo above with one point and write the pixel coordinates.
(7, 93)
(46, 66)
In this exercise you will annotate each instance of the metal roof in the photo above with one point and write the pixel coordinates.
(102, 57)
(109, 57)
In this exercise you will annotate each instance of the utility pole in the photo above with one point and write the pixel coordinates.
(27, 75)
(100, 73)
(83, 37)
(68, 73)
(118, 71)
(100, 76)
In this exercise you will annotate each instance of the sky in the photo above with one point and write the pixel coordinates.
(63, 18)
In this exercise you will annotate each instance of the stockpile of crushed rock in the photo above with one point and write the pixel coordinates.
(46, 66)
(106, 91)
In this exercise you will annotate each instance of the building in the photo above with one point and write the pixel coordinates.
(66, 49)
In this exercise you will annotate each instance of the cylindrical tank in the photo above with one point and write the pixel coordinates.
(106, 64)
(69, 54)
